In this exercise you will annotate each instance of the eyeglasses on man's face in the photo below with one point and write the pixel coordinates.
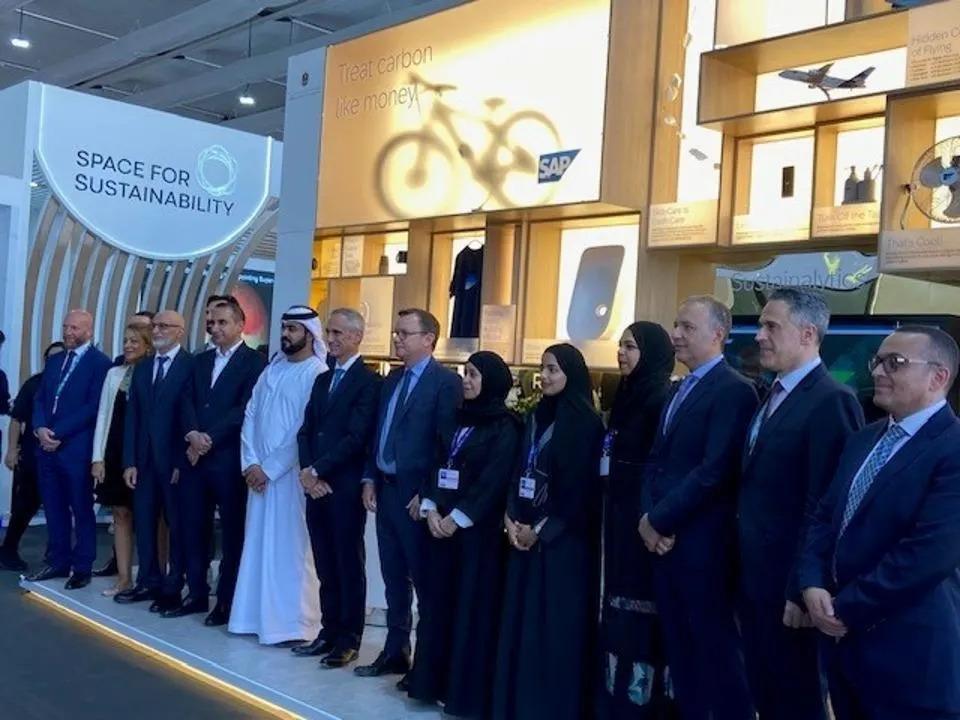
(163, 327)
(404, 334)
(894, 363)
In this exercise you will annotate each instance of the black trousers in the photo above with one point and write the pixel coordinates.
(154, 495)
(336, 524)
(24, 504)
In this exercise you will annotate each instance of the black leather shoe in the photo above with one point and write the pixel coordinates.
(134, 595)
(403, 684)
(108, 570)
(164, 602)
(339, 658)
(48, 573)
(190, 607)
(11, 560)
(320, 646)
(77, 581)
(383, 665)
(217, 617)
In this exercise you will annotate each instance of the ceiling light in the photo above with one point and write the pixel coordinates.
(18, 40)
(247, 99)
(34, 184)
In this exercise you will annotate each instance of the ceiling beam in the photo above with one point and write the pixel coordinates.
(261, 123)
(174, 32)
(274, 64)
(7, 5)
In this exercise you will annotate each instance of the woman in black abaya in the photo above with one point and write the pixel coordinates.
(548, 631)
(632, 654)
(463, 506)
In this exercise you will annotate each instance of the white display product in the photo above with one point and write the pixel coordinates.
(150, 183)
(775, 91)
(770, 201)
(945, 127)
(596, 295)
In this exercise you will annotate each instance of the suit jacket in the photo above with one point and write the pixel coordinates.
(337, 430)
(75, 418)
(783, 479)
(153, 435)
(218, 410)
(691, 474)
(894, 572)
(427, 423)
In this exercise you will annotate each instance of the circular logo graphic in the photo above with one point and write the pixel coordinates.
(217, 171)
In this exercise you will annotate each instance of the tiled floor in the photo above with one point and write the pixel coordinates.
(297, 684)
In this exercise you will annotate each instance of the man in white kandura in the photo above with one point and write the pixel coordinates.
(277, 596)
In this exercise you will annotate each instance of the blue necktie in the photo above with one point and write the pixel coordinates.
(686, 385)
(864, 479)
(158, 378)
(337, 377)
(389, 455)
(64, 375)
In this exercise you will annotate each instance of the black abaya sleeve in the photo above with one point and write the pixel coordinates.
(486, 492)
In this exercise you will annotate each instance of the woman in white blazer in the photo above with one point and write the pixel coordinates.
(107, 467)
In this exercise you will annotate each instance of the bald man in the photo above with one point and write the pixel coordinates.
(152, 439)
(65, 415)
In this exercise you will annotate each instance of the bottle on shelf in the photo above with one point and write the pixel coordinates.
(850, 186)
(867, 188)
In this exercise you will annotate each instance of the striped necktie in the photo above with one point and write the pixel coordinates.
(864, 479)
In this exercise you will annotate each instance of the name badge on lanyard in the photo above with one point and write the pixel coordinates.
(448, 478)
(607, 452)
(528, 483)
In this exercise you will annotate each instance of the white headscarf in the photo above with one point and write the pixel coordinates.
(309, 318)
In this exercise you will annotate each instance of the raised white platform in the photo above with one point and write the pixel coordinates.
(295, 687)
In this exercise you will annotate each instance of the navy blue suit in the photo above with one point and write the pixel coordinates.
(153, 444)
(337, 430)
(424, 429)
(66, 485)
(217, 479)
(894, 575)
(783, 479)
(689, 490)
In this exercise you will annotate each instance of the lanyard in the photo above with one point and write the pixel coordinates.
(458, 441)
(537, 447)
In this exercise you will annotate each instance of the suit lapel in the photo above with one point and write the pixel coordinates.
(235, 361)
(349, 377)
(419, 389)
(389, 387)
(176, 367)
(701, 389)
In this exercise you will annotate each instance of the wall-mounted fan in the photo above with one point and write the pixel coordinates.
(935, 183)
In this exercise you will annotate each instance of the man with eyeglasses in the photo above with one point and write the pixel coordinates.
(881, 568)
(152, 441)
(416, 417)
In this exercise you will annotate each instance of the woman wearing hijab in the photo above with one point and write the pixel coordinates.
(633, 656)
(549, 624)
(463, 507)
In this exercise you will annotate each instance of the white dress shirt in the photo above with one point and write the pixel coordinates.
(170, 355)
(790, 381)
(911, 425)
(220, 360)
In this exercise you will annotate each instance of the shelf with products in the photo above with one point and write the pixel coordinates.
(580, 286)
(920, 212)
(833, 73)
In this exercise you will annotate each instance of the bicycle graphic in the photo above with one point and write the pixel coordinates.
(417, 174)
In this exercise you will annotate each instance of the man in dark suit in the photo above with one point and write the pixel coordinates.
(689, 500)
(881, 569)
(152, 442)
(212, 409)
(790, 455)
(65, 415)
(337, 429)
(416, 417)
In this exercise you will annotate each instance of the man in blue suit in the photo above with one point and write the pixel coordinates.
(65, 415)
(212, 410)
(416, 418)
(689, 500)
(881, 567)
(790, 455)
(153, 441)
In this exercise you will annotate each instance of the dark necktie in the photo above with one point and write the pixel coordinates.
(389, 455)
(64, 374)
(337, 377)
(159, 377)
(775, 392)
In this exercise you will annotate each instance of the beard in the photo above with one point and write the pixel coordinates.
(288, 347)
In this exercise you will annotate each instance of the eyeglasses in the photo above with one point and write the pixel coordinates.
(163, 326)
(404, 334)
(893, 363)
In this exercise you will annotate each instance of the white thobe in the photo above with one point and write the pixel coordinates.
(277, 595)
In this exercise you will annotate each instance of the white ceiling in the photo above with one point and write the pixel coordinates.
(189, 57)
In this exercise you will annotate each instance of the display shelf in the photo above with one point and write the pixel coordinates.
(728, 76)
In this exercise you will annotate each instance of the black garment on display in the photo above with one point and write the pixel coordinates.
(465, 291)
(633, 658)
(114, 491)
(544, 667)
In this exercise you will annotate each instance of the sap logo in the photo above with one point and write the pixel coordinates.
(554, 165)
